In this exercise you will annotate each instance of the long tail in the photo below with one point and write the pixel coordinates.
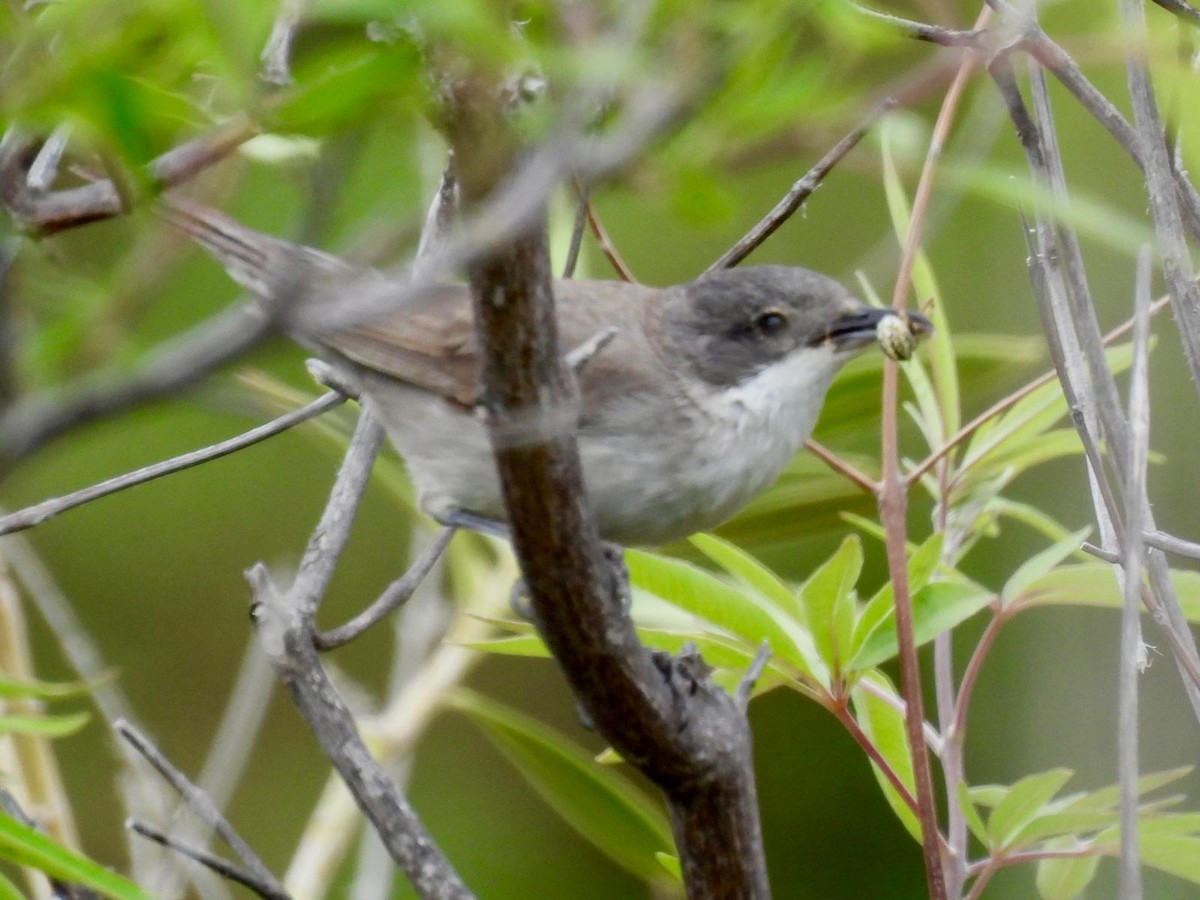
(262, 264)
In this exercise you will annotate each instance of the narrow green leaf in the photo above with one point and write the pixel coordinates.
(1094, 584)
(937, 607)
(1180, 856)
(9, 891)
(883, 724)
(1037, 566)
(827, 589)
(1065, 878)
(45, 725)
(512, 645)
(744, 567)
(670, 862)
(741, 613)
(1110, 796)
(922, 562)
(1021, 804)
(46, 690)
(602, 806)
(25, 846)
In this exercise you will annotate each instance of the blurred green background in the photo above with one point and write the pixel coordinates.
(155, 573)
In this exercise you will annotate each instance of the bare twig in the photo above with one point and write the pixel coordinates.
(177, 364)
(1160, 185)
(209, 860)
(395, 595)
(277, 55)
(934, 34)
(1160, 540)
(800, 191)
(607, 247)
(48, 509)
(843, 468)
(1181, 8)
(582, 207)
(45, 212)
(1128, 667)
(201, 805)
(745, 688)
(286, 628)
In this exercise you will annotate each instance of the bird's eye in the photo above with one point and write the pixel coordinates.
(770, 321)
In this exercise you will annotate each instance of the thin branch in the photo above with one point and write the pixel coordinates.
(201, 805)
(224, 868)
(607, 247)
(171, 367)
(843, 468)
(1133, 550)
(1181, 8)
(286, 630)
(1176, 259)
(1160, 540)
(394, 596)
(934, 34)
(745, 688)
(45, 212)
(277, 55)
(799, 192)
(582, 207)
(48, 509)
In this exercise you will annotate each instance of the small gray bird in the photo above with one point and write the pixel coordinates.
(699, 401)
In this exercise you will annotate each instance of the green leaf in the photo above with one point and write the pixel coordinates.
(922, 561)
(25, 846)
(602, 806)
(9, 891)
(1109, 797)
(1180, 856)
(883, 724)
(1037, 566)
(740, 613)
(1094, 584)
(1021, 804)
(829, 604)
(670, 862)
(937, 607)
(1065, 878)
(46, 690)
(744, 567)
(44, 725)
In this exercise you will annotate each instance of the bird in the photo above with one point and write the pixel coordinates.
(704, 394)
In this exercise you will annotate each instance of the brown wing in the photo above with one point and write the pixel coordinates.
(431, 343)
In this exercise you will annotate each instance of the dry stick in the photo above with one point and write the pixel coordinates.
(209, 860)
(285, 624)
(607, 247)
(799, 192)
(171, 367)
(1131, 633)
(1162, 600)
(47, 212)
(48, 509)
(1080, 320)
(394, 595)
(201, 805)
(276, 56)
(1160, 185)
(1181, 8)
(577, 230)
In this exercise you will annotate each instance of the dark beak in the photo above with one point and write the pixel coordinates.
(857, 329)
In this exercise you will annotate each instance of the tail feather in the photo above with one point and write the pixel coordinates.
(263, 264)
